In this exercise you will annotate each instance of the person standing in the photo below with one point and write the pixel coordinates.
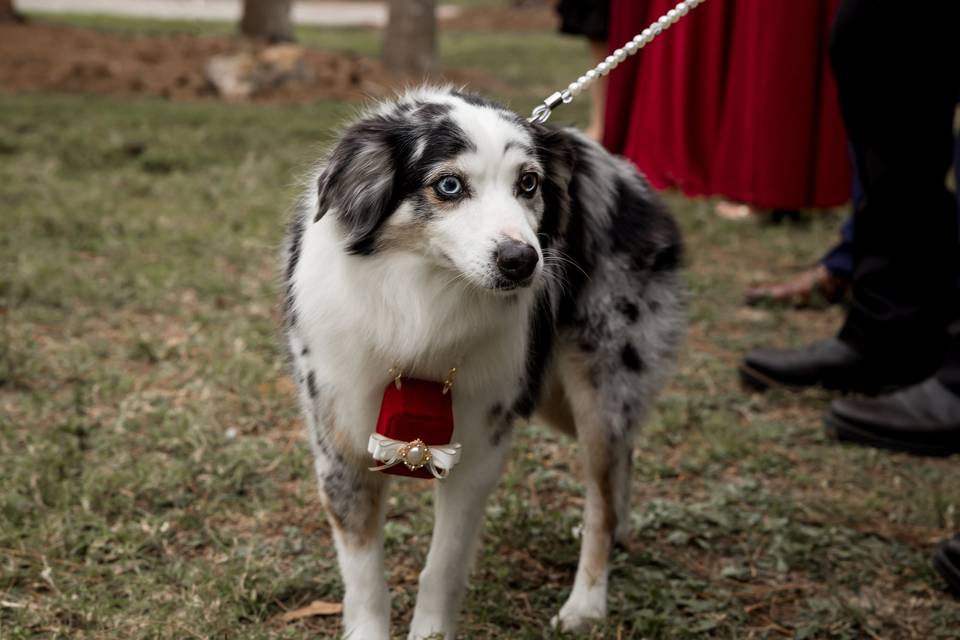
(590, 18)
(737, 102)
(901, 336)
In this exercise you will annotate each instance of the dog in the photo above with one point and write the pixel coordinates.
(445, 231)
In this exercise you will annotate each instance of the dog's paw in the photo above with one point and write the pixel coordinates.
(420, 629)
(580, 612)
(367, 632)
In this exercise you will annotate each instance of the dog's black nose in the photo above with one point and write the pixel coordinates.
(516, 260)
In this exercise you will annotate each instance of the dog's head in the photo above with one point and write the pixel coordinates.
(454, 179)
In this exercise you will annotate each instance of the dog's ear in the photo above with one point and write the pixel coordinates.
(359, 184)
(556, 153)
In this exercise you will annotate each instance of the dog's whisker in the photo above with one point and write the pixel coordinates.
(565, 259)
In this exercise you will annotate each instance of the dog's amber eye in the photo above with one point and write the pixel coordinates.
(449, 187)
(529, 183)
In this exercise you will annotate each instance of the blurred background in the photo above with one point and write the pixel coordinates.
(153, 478)
(277, 50)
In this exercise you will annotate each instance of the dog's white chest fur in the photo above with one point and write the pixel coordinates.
(362, 316)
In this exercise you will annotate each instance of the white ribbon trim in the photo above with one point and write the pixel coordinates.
(443, 457)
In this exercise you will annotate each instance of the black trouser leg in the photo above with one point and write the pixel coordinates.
(898, 85)
(949, 374)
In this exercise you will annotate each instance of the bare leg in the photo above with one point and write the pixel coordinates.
(598, 93)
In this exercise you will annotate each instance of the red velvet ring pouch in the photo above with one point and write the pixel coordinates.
(418, 409)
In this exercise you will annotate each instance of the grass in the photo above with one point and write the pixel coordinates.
(154, 480)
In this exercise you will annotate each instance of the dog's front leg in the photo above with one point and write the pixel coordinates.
(354, 499)
(460, 506)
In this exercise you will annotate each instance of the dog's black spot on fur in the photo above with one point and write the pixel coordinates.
(587, 345)
(628, 309)
(305, 351)
(312, 385)
(342, 488)
(593, 326)
(294, 244)
(422, 208)
(352, 496)
(502, 423)
(288, 311)
(431, 110)
(541, 338)
(504, 427)
(322, 434)
(323, 419)
(631, 359)
(641, 229)
(447, 141)
(594, 374)
(295, 240)
(668, 258)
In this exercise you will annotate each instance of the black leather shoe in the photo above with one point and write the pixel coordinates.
(947, 563)
(923, 419)
(831, 364)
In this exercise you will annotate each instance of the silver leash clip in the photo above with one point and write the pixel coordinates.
(542, 112)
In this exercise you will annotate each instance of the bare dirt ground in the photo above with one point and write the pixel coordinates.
(42, 57)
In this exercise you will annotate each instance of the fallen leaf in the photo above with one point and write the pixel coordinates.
(315, 608)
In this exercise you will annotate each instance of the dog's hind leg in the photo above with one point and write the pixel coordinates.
(606, 454)
(460, 507)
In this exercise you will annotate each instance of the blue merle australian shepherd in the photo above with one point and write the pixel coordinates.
(441, 229)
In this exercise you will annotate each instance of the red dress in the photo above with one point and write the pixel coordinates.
(736, 99)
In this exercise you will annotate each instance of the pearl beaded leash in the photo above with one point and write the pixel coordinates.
(642, 39)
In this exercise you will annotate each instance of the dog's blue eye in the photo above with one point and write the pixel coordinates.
(449, 186)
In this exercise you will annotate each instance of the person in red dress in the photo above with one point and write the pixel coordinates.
(735, 100)
(589, 18)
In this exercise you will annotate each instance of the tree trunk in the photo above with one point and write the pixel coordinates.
(410, 42)
(267, 19)
(8, 13)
